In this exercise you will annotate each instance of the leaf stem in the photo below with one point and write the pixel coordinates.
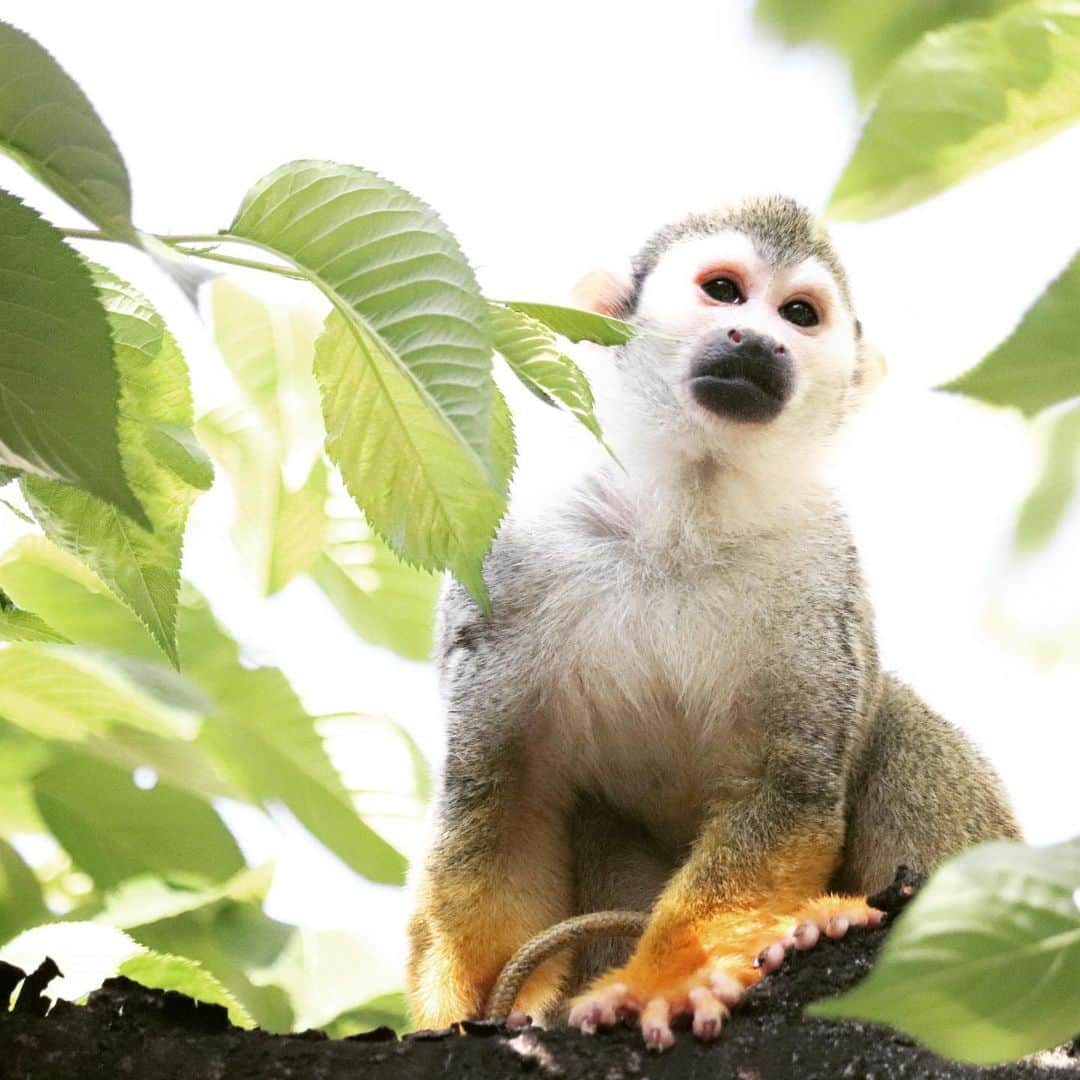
(175, 243)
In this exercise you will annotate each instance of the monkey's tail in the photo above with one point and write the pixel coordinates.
(550, 941)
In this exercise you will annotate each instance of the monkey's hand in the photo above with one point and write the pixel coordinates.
(702, 967)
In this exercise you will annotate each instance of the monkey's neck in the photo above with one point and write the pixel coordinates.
(693, 505)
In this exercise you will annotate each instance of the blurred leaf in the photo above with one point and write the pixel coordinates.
(268, 745)
(149, 899)
(21, 903)
(982, 964)
(257, 734)
(114, 830)
(59, 693)
(575, 324)
(383, 599)
(18, 625)
(42, 578)
(404, 363)
(530, 349)
(963, 99)
(7, 475)
(277, 530)
(1045, 506)
(58, 384)
(89, 953)
(1038, 364)
(17, 512)
(49, 127)
(166, 467)
(328, 972)
(270, 350)
(386, 1010)
(871, 36)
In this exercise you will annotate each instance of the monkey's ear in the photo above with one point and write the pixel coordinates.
(870, 369)
(607, 292)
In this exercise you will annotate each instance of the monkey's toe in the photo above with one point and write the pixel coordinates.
(830, 915)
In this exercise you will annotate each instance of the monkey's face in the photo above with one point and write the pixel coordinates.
(738, 355)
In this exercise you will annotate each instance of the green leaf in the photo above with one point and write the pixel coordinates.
(982, 965)
(393, 272)
(58, 382)
(1045, 506)
(265, 742)
(42, 578)
(114, 830)
(383, 599)
(270, 350)
(58, 693)
(404, 363)
(530, 349)
(402, 465)
(48, 125)
(21, 902)
(18, 625)
(167, 469)
(149, 899)
(89, 953)
(963, 99)
(7, 475)
(386, 1010)
(871, 36)
(1038, 364)
(277, 530)
(575, 324)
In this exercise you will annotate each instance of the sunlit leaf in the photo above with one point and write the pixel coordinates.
(165, 465)
(982, 965)
(89, 953)
(58, 381)
(1044, 508)
(18, 625)
(383, 599)
(265, 742)
(404, 363)
(427, 498)
(532, 352)
(49, 126)
(114, 830)
(277, 529)
(871, 36)
(575, 324)
(961, 100)
(1038, 364)
(385, 1010)
(21, 902)
(58, 693)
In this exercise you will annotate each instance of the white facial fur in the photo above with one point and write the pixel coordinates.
(656, 424)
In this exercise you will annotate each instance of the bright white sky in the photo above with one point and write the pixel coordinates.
(552, 140)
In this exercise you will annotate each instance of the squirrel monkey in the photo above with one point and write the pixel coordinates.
(676, 707)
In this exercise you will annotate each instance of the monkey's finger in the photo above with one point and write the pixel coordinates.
(597, 1009)
(772, 957)
(837, 926)
(518, 1019)
(709, 1012)
(656, 1024)
(806, 935)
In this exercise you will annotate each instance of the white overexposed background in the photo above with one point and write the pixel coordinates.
(553, 139)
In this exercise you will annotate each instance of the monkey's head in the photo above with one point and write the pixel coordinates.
(748, 350)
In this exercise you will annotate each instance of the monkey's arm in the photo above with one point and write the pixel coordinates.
(758, 869)
(498, 871)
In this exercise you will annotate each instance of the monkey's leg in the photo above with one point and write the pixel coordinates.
(498, 875)
(919, 793)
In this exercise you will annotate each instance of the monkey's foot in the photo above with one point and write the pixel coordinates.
(831, 916)
(707, 995)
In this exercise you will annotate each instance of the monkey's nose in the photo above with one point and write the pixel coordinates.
(735, 335)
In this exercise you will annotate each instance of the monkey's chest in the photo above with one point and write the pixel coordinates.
(648, 701)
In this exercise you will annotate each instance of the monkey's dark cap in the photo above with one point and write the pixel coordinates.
(783, 233)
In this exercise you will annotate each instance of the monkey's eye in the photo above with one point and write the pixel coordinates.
(722, 289)
(800, 313)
